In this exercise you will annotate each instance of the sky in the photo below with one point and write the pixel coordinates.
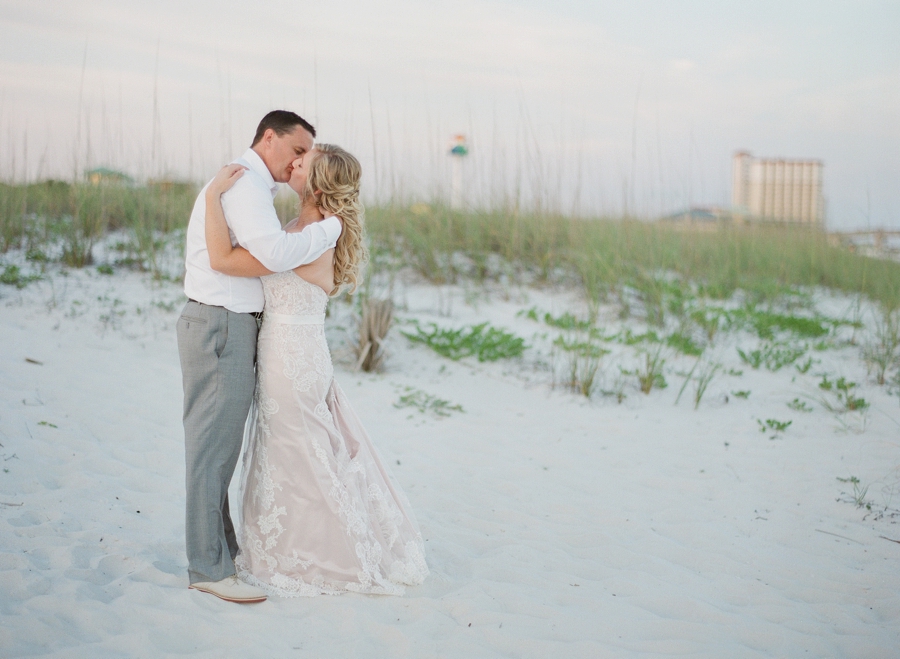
(570, 106)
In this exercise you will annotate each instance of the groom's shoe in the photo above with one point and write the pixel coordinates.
(231, 589)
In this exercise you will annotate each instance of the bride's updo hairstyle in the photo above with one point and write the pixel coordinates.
(335, 174)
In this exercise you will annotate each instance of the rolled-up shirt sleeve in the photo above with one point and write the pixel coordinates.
(254, 223)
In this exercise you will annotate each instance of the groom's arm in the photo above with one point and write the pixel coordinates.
(252, 218)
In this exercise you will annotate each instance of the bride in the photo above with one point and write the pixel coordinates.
(320, 512)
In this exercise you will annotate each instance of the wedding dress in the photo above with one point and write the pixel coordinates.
(320, 513)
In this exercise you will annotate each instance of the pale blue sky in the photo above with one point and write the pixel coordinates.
(580, 106)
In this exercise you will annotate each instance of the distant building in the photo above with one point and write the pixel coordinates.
(104, 175)
(698, 217)
(777, 190)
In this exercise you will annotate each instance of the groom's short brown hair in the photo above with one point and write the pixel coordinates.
(282, 122)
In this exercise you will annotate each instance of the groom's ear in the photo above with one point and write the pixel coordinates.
(268, 136)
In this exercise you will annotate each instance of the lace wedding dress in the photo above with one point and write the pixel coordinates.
(320, 513)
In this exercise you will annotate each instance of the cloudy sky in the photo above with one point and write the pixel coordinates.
(586, 107)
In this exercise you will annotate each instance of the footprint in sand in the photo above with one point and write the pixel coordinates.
(108, 569)
(26, 519)
(17, 587)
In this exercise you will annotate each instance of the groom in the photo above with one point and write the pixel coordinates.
(217, 342)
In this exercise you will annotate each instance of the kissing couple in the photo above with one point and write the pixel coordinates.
(320, 514)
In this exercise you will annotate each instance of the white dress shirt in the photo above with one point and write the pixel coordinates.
(253, 224)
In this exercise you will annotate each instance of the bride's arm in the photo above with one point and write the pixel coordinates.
(223, 256)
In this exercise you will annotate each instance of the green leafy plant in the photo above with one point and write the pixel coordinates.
(745, 394)
(800, 405)
(844, 394)
(774, 426)
(858, 496)
(804, 366)
(426, 403)
(486, 343)
(766, 323)
(774, 356)
(567, 321)
(684, 344)
(779, 356)
(753, 358)
(12, 276)
(629, 338)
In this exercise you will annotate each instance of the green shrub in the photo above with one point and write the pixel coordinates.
(484, 342)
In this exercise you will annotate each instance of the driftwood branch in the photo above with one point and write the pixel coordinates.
(374, 324)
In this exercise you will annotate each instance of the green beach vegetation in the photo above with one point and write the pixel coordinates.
(601, 255)
(685, 285)
(58, 220)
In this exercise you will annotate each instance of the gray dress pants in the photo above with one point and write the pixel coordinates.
(217, 348)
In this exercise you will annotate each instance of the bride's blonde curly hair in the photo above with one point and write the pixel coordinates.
(335, 175)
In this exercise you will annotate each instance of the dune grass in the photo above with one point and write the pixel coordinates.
(72, 217)
(603, 254)
(600, 255)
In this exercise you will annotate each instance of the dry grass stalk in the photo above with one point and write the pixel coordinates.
(374, 324)
(882, 353)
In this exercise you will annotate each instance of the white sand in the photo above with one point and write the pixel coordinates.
(556, 526)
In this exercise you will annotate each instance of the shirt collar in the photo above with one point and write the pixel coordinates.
(257, 165)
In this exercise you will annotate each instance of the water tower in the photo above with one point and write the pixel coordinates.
(459, 149)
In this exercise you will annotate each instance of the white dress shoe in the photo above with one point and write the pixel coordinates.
(231, 589)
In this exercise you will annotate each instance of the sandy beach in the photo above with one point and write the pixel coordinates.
(555, 525)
